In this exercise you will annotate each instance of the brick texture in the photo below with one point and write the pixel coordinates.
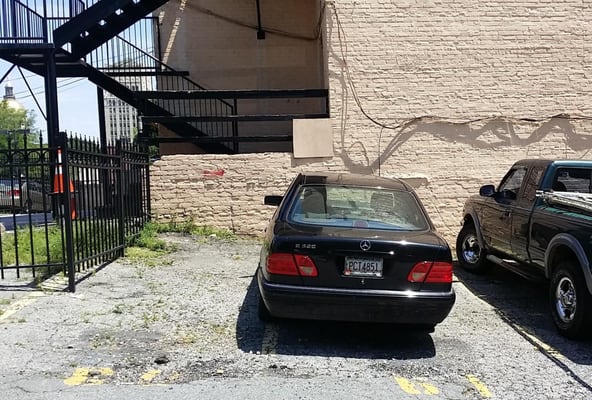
(486, 78)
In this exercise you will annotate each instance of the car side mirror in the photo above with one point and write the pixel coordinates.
(272, 200)
(487, 191)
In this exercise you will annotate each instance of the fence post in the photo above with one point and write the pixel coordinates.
(120, 198)
(146, 183)
(65, 197)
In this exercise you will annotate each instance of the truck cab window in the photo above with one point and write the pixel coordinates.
(573, 180)
(532, 183)
(511, 183)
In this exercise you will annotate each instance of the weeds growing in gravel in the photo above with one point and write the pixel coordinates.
(149, 239)
(149, 248)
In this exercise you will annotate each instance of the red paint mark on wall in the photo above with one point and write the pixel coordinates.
(214, 173)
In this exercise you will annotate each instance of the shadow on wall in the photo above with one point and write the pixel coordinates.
(492, 133)
(495, 133)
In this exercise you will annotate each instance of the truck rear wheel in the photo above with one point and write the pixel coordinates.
(470, 254)
(570, 301)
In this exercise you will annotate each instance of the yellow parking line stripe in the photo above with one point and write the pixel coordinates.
(542, 345)
(88, 376)
(429, 389)
(149, 376)
(270, 339)
(480, 386)
(78, 377)
(411, 387)
(19, 305)
(406, 385)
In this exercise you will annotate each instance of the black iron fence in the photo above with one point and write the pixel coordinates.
(68, 209)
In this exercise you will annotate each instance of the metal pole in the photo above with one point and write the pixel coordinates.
(66, 198)
(51, 98)
(235, 127)
(104, 181)
(102, 123)
(52, 118)
(260, 31)
(13, 20)
(120, 199)
(45, 30)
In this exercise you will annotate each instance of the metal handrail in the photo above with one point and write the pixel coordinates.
(121, 59)
(20, 23)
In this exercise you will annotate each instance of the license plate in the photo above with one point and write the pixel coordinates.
(356, 266)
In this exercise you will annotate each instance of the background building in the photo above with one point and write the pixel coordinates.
(10, 98)
(121, 118)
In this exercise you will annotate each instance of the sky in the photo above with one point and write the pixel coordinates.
(77, 100)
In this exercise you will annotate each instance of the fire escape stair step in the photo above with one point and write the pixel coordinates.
(102, 22)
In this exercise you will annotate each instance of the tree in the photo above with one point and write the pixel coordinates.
(15, 120)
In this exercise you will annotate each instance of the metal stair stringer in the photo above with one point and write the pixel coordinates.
(148, 108)
(101, 22)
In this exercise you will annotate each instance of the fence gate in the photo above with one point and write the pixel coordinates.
(69, 209)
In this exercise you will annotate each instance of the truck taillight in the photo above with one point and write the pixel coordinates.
(14, 193)
(431, 272)
(291, 264)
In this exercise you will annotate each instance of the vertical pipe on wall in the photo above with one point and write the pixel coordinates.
(260, 31)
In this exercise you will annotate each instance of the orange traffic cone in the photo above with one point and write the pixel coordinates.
(59, 184)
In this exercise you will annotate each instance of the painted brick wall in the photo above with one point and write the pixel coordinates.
(447, 93)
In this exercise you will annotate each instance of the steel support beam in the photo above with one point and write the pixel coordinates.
(51, 98)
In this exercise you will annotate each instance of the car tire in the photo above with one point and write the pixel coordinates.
(471, 255)
(263, 312)
(570, 301)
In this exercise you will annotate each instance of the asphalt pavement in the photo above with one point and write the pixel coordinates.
(10, 221)
(185, 326)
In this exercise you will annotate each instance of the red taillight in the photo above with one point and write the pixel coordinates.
(291, 264)
(281, 264)
(306, 265)
(431, 272)
(441, 272)
(14, 193)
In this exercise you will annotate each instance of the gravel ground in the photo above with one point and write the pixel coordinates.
(181, 314)
(190, 318)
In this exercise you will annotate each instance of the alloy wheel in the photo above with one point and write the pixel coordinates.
(471, 251)
(565, 300)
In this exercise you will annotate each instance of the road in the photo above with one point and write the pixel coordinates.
(10, 221)
(184, 326)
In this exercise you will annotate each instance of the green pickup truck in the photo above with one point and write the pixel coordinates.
(538, 223)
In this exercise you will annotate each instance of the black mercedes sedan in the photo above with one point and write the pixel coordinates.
(349, 247)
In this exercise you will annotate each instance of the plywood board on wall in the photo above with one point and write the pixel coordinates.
(312, 138)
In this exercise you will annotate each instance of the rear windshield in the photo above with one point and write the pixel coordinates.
(357, 207)
(573, 180)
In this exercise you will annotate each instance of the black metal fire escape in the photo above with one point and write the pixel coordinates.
(87, 38)
(66, 46)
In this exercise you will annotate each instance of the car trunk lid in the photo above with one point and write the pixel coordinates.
(364, 259)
